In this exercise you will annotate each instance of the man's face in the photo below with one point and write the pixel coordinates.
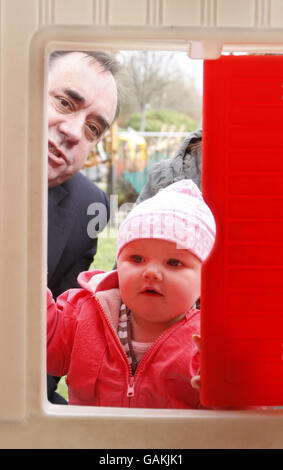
(82, 101)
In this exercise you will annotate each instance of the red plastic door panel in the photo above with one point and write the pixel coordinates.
(242, 297)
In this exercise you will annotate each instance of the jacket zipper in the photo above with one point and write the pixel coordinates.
(130, 390)
(132, 378)
(140, 367)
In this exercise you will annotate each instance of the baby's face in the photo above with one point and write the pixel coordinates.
(158, 282)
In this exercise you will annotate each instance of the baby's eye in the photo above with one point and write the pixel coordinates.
(137, 258)
(174, 262)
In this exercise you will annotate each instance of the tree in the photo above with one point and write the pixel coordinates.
(155, 119)
(156, 80)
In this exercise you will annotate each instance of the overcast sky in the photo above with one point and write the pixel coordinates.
(192, 67)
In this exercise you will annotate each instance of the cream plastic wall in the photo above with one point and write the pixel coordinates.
(29, 30)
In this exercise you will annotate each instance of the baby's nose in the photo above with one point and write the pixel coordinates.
(152, 273)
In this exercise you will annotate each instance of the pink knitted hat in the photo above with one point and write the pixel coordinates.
(177, 214)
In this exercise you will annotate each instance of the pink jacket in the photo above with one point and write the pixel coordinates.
(82, 342)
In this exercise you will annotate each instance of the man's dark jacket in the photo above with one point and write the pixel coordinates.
(70, 249)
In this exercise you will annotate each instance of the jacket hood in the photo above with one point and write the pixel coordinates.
(105, 287)
(98, 280)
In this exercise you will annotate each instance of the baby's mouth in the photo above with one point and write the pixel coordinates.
(153, 292)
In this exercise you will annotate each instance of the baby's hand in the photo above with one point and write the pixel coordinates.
(195, 381)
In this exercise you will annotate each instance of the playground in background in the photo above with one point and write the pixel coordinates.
(120, 165)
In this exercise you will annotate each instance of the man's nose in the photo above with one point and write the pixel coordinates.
(72, 129)
(153, 272)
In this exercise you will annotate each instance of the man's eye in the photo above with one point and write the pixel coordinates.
(63, 102)
(94, 130)
(137, 258)
(174, 262)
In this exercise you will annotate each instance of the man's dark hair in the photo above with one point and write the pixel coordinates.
(108, 62)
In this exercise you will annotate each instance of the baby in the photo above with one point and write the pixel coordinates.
(126, 337)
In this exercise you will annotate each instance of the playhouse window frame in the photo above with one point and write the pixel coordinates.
(85, 38)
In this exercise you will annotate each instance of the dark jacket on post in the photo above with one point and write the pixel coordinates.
(185, 164)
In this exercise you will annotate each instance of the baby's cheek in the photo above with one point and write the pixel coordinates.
(187, 296)
(183, 304)
(125, 289)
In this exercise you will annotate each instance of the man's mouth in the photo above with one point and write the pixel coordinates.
(56, 152)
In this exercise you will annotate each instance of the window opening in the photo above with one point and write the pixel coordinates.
(161, 104)
(152, 125)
